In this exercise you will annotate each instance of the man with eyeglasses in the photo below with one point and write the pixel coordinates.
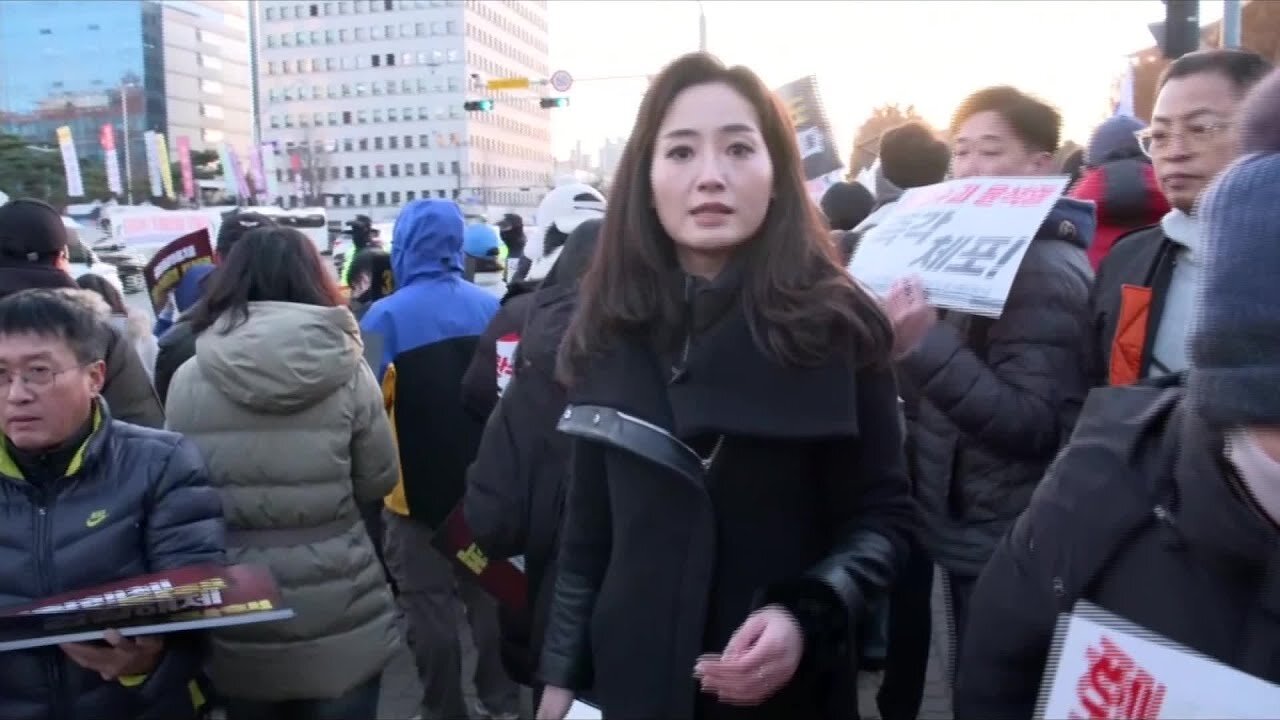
(1144, 290)
(89, 500)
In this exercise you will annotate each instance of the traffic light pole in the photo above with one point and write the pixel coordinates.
(1231, 22)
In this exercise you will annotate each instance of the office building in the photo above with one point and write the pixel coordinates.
(363, 101)
(180, 67)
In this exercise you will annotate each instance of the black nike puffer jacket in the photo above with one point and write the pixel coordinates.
(133, 501)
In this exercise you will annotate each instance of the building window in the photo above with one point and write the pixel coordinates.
(364, 144)
(395, 197)
(349, 172)
(393, 143)
(441, 194)
(315, 10)
(382, 199)
(210, 135)
(392, 115)
(455, 169)
(270, 13)
(364, 197)
(424, 142)
(379, 171)
(364, 171)
(208, 61)
(211, 111)
(375, 60)
(362, 116)
(408, 169)
(377, 143)
(395, 170)
(439, 165)
(409, 196)
(408, 142)
(346, 117)
(377, 115)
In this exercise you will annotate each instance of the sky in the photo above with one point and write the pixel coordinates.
(865, 53)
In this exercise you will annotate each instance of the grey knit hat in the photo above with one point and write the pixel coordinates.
(1235, 342)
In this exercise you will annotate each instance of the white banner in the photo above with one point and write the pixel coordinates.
(153, 163)
(964, 238)
(1107, 667)
(269, 171)
(70, 162)
(227, 160)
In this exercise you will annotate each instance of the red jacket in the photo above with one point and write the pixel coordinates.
(1127, 198)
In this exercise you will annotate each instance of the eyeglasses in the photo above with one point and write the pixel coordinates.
(35, 377)
(1197, 134)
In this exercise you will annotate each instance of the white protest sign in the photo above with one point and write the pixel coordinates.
(582, 711)
(964, 238)
(505, 353)
(1107, 667)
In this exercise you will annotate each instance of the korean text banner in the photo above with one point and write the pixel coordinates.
(107, 138)
(153, 164)
(1107, 667)
(70, 162)
(813, 131)
(964, 238)
(166, 165)
(166, 268)
(184, 165)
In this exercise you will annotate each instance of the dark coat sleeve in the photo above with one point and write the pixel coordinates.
(184, 527)
(1017, 402)
(127, 388)
(584, 555)
(1012, 616)
(480, 383)
(868, 503)
(497, 496)
(177, 346)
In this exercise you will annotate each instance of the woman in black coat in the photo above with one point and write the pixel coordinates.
(738, 486)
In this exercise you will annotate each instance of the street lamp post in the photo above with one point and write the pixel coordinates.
(702, 27)
(128, 166)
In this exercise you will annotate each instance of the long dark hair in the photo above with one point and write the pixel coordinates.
(106, 290)
(803, 308)
(272, 263)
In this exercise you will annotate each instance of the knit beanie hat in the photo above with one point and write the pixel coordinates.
(1235, 341)
(1114, 139)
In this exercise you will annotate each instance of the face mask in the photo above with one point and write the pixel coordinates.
(1259, 472)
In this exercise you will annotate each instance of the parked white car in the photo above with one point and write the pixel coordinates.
(83, 259)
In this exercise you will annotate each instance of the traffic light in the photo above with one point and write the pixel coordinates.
(485, 105)
(1181, 28)
(554, 102)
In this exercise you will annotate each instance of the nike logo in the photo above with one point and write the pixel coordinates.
(95, 518)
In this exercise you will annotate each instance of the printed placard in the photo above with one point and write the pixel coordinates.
(1106, 667)
(964, 238)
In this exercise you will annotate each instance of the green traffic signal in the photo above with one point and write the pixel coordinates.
(478, 105)
(554, 102)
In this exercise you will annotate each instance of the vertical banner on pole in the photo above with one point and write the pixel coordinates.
(107, 138)
(227, 160)
(184, 166)
(166, 166)
(70, 162)
(242, 183)
(267, 153)
(153, 164)
(259, 174)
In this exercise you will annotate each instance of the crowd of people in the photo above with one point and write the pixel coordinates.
(727, 468)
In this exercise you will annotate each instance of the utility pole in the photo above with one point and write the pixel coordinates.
(702, 27)
(1231, 23)
(128, 166)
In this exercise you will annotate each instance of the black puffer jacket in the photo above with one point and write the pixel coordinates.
(150, 489)
(998, 398)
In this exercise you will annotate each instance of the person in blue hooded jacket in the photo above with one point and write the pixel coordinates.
(420, 340)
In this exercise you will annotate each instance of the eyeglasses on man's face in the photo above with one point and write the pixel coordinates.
(1193, 135)
(36, 377)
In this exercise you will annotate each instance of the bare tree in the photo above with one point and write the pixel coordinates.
(866, 144)
(312, 168)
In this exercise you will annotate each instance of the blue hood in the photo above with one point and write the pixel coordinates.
(1070, 220)
(427, 241)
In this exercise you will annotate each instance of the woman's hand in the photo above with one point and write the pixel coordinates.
(555, 703)
(761, 657)
(907, 307)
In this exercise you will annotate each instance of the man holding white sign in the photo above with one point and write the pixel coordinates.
(997, 396)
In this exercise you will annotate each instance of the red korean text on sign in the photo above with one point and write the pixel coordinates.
(1113, 686)
(960, 195)
(1026, 196)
